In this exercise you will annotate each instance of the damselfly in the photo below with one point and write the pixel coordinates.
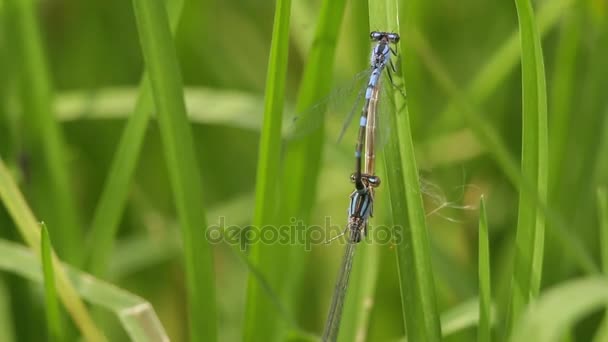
(362, 199)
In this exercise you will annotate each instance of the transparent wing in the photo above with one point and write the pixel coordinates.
(342, 104)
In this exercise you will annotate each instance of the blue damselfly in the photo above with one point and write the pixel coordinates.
(362, 198)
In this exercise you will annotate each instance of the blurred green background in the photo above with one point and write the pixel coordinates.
(95, 64)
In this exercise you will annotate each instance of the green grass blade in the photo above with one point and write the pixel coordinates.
(602, 206)
(531, 222)
(302, 162)
(109, 210)
(137, 315)
(45, 133)
(564, 84)
(461, 317)
(272, 260)
(231, 108)
(484, 333)
(6, 314)
(29, 230)
(489, 137)
(165, 79)
(53, 316)
(507, 57)
(559, 308)
(409, 218)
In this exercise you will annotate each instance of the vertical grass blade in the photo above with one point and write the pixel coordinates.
(488, 136)
(45, 133)
(602, 207)
(272, 260)
(564, 84)
(484, 333)
(53, 316)
(165, 79)
(109, 210)
(531, 222)
(29, 230)
(303, 157)
(409, 218)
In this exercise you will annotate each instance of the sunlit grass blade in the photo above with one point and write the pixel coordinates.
(461, 317)
(484, 333)
(53, 315)
(44, 134)
(527, 269)
(113, 198)
(232, 108)
(272, 259)
(165, 79)
(559, 308)
(30, 232)
(409, 218)
(137, 315)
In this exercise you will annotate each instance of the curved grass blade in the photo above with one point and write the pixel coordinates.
(136, 315)
(531, 221)
(165, 79)
(53, 316)
(29, 230)
(46, 136)
(272, 260)
(484, 333)
(461, 317)
(559, 308)
(112, 202)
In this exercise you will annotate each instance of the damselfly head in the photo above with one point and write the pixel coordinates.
(368, 180)
(389, 36)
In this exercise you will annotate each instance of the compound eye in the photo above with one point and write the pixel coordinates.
(375, 35)
(393, 37)
(374, 181)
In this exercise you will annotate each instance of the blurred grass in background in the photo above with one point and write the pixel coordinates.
(466, 64)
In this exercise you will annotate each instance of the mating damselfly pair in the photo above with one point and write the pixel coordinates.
(368, 139)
